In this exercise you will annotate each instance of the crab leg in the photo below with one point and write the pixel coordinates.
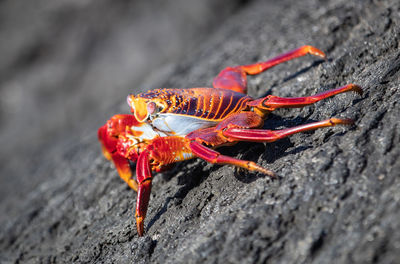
(234, 78)
(144, 177)
(262, 135)
(215, 157)
(272, 102)
(257, 68)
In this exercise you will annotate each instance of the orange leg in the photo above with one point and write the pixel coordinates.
(262, 135)
(257, 68)
(215, 157)
(272, 102)
(234, 78)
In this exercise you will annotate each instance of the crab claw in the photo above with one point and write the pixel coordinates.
(111, 136)
(108, 144)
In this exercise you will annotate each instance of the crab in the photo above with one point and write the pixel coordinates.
(171, 125)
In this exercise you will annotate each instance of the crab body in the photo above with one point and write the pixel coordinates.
(202, 103)
(172, 125)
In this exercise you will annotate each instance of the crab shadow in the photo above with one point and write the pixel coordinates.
(292, 76)
(303, 70)
(191, 178)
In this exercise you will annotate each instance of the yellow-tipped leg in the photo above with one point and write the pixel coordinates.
(215, 157)
(140, 225)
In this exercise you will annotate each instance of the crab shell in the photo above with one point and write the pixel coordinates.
(181, 111)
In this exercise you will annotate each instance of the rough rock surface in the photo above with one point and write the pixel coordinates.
(337, 199)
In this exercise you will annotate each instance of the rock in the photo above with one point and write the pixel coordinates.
(336, 199)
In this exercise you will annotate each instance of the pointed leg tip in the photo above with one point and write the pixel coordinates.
(252, 166)
(339, 121)
(267, 172)
(270, 173)
(316, 52)
(356, 88)
(140, 225)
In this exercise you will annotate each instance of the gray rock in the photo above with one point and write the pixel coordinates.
(336, 199)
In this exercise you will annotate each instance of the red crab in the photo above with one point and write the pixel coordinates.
(171, 125)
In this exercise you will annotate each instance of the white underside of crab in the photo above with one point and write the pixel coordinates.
(179, 125)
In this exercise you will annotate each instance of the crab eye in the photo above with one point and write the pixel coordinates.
(151, 108)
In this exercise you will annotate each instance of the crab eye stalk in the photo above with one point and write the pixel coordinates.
(138, 107)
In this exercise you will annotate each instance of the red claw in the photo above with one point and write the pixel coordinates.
(111, 137)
